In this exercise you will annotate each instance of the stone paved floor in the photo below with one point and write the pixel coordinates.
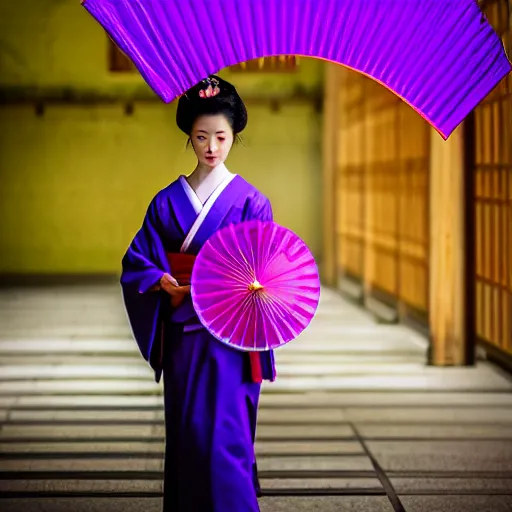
(355, 421)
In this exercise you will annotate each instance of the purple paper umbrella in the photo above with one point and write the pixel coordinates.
(440, 56)
(255, 285)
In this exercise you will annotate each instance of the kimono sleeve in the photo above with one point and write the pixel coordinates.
(142, 263)
(260, 209)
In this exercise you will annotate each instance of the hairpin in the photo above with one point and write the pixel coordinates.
(212, 89)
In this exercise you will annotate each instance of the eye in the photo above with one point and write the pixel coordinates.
(200, 137)
(221, 138)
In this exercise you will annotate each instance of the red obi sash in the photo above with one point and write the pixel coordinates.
(181, 266)
(181, 269)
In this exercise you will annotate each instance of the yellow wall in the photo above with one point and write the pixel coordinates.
(75, 183)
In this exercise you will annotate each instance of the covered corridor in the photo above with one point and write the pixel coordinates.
(356, 420)
(398, 397)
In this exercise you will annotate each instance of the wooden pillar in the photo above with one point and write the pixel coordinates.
(447, 248)
(330, 166)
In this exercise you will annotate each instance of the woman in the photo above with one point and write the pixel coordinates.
(211, 391)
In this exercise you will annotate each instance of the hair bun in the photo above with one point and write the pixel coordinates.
(211, 96)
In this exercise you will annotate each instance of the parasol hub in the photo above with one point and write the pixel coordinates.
(255, 286)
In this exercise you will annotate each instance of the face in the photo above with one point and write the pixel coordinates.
(212, 138)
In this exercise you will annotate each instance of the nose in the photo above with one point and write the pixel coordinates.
(212, 146)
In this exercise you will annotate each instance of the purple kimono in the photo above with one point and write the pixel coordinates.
(210, 399)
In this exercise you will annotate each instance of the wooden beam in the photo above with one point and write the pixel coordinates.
(329, 164)
(447, 248)
(16, 95)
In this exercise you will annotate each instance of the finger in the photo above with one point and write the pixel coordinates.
(180, 290)
(176, 290)
(170, 284)
(170, 279)
(169, 288)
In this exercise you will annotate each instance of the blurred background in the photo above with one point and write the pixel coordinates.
(357, 173)
(81, 158)
(411, 233)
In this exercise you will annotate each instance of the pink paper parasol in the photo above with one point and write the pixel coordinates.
(255, 285)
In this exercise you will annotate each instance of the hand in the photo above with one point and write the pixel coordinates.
(172, 287)
(168, 278)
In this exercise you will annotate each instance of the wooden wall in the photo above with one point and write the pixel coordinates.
(381, 194)
(422, 224)
(350, 174)
(492, 176)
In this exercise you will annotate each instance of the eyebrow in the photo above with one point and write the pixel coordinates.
(204, 131)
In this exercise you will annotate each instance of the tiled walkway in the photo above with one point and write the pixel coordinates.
(355, 421)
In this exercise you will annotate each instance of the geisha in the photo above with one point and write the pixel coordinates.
(211, 391)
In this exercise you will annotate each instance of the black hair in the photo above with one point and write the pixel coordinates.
(212, 96)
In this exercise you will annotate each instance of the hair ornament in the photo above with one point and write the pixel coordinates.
(212, 88)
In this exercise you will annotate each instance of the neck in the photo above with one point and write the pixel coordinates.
(201, 172)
